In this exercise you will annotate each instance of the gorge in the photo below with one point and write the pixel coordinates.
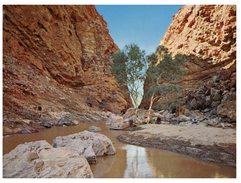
(58, 81)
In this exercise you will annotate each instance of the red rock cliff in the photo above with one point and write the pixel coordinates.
(206, 31)
(57, 61)
(206, 35)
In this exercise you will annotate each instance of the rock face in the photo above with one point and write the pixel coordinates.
(206, 36)
(40, 160)
(217, 97)
(206, 31)
(86, 143)
(56, 60)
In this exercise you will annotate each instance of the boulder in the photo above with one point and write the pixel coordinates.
(129, 113)
(46, 125)
(193, 104)
(213, 112)
(212, 122)
(86, 143)
(197, 115)
(227, 109)
(201, 101)
(227, 96)
(143, 115)
(216, 94)
(181, 118)
(208, 100)
(217, 97)
(167, 116)
(216, 78)
(40, 160)
(158, 115)
(214, 104)
(138, 117)
(94, 129)
(67, 121)
(116, 122)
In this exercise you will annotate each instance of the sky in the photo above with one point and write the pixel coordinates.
(144, 25)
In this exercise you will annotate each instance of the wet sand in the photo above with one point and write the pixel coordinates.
(201, 142)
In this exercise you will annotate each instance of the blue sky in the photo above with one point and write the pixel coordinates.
(144, 25)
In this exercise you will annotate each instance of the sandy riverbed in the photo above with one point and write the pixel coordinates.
(201, 142)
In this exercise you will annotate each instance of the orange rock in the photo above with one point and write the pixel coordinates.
(62, 54)
(206, 35)
(203, 27)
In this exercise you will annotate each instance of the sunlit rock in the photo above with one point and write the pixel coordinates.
(117, 122)
(86, 143)
(40, 160)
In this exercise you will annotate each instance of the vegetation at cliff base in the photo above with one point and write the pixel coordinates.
(163, 69)
(128, 65)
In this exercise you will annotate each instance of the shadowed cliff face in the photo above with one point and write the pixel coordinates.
(57, 59)
(206, 36)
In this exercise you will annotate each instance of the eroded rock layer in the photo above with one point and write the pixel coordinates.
(56, 61)
(206, 31)
(206, 36)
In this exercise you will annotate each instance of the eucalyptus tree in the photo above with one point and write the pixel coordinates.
(128, 65)
(163, 70)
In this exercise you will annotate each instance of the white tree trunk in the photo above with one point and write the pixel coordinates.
(149, 110)
(151, 102)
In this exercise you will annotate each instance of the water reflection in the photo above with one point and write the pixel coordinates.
(129, 160)
(172, 165)
(136, 162)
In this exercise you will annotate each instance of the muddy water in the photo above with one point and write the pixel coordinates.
(131, 160)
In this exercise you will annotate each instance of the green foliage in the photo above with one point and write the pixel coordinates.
(119, 67)
(135, 64)
(165, 66)
(163, 89)
(163, 69)
(174, 105)
(128, 67)
(151, 58)
(170, 106)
